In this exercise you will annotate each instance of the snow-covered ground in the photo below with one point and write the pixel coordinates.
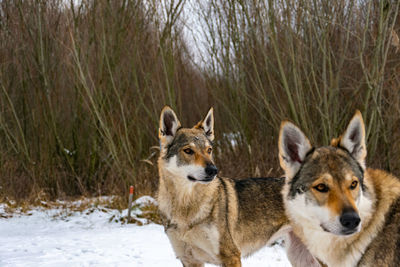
(58, 237)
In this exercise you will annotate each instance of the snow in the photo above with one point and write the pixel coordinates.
(145, 200)
(63, 237)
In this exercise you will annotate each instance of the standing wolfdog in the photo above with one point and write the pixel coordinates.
(210, 219)
(345, 213)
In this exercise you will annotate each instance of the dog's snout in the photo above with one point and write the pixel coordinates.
(350, 219)
(211, 170)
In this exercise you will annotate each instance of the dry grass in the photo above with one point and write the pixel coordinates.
(81, 87)
(114, 207)
(313, 62)
(68, 206)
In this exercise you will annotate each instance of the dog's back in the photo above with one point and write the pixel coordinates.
(260, 211)
(261, 220)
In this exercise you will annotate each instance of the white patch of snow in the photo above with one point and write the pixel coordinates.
(145, 200)
(234, 138)
(55, 237)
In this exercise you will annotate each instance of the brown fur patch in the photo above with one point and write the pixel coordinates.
(335, 203)
(335, 142)
(338, 197)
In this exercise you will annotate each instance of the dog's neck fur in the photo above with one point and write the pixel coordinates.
(182, 201)
(383, 190)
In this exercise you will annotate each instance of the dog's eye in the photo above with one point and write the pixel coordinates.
(322, 188)
(353, 185)
(188, 151)
(209, 150)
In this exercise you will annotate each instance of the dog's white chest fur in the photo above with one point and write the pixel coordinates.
(201, 241)
(326, 247)
(205, 237)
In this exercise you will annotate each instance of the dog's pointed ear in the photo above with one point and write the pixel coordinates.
(353, 139)
(207, 124)
(169, 124)
(293, 148)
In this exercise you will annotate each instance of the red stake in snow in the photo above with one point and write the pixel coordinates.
(130, 202)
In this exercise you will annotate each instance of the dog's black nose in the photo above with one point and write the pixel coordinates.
(211, 170)
(350, 220)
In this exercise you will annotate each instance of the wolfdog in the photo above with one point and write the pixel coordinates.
(345, 214)
(211, 219)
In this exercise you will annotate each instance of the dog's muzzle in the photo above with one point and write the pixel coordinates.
(210, 170)
(350, 221)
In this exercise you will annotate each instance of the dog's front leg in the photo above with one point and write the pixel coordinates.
(191, 263)
(233, 261)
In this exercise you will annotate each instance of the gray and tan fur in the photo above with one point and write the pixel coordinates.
(346, 214)
(211, 219)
